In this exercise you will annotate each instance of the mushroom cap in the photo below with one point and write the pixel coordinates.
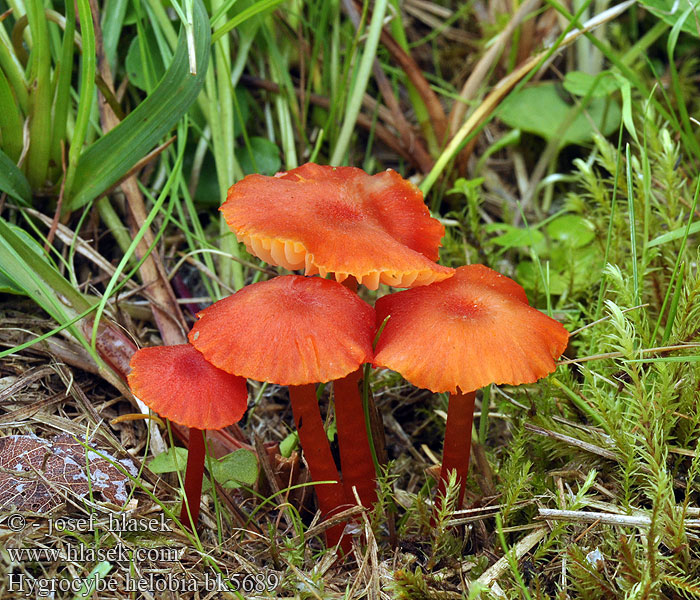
(179, 384)
(290, 330)
(471, 330)
(339, 220)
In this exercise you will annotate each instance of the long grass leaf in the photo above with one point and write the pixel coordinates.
(678, 281)
(62, 95)
(12, 180)
(15, 75)
(112, 22)
(10, 120)
(243, 16)
(675, 234)
(361, 81)
(633, 226)
(111, 157)
(37, 161)
(39, 279)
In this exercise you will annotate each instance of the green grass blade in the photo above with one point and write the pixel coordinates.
(675, 234)
(39, 279)
(10, 121)
(37, 161)
(633, 226)
(87, 91)
(12, 180)
(111, 157)
(611, 222)
(243, 16)
(112, 22)
(113, 284)
(675, 80)
(13, 71)
(678, 265)
(62, 95)
(352, 109)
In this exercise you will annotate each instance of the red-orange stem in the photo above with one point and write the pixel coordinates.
(193, 478)
(458, 443)
(355, 453)
(356, 460)
(314, 442)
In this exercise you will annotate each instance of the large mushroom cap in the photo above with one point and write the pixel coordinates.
(471, 330)
(290, 330)
(339, 220)
(179, 384)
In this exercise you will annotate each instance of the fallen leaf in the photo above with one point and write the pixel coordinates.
(31, 468)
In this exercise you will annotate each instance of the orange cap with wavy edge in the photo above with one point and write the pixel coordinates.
(290, 330)
(339, 220)
(474, 329)
(179, 384)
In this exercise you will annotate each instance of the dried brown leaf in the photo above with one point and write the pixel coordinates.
(31, 469)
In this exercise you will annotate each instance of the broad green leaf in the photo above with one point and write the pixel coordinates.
(261, 157)
(110, 158)
(540, 109)
(174, 459)
(464, 186)
(515, 237)
(236, 469)
(573, 230)
(289, 444)
(569, 269)
(579, 83)
(528, 275)
(13, 182)
(135, 67)
(671, 11)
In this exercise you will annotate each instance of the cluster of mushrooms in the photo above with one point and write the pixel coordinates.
(454, 330)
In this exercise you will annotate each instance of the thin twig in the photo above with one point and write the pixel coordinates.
(582, 516)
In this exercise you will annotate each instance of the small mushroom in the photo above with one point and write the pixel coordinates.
(295, 331)
(339, 220)
(179, 384)
(362, 228)
(462, 334)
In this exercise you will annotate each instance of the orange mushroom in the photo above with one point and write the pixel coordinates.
(459, 335)
(295, 331)
(367, 229)
(179, 384)
(338, 220)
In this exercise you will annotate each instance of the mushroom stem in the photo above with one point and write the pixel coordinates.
(193, 479)
(457, 447)
(356, 462)
(314, 442)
